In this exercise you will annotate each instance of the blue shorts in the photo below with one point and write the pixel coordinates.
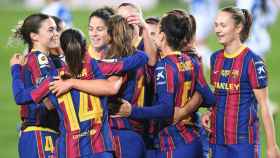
(37, 144)
(234, 151)
(128, 144)
(193, 149)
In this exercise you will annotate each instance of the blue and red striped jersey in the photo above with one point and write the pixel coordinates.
(130, 66)
(84, 127)
(34, 77)
(234, 119)
(177, 76)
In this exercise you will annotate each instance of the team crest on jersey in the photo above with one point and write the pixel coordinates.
(185, 66)
(43, 60)
(235, 73)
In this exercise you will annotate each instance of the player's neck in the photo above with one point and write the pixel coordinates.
(40, 48)
(167, 50)
(232, 47)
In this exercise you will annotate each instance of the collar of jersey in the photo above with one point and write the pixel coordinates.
(92, 52)
(170, 54)
(35, 50)
(233, 55)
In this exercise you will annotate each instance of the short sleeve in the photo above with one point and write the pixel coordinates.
(257, 73)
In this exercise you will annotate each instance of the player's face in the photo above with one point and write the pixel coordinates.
(159, 37)
(47, 36)
(98, 33)
(152, 31)
(226, 29)
(126, 11)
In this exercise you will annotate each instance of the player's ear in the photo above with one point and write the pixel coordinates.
(239, 28)
(34, 36)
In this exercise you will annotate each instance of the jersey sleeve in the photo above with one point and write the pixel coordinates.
(202, 87)
(125, 64)
(163, 106)
(24, 95)
(257, 73)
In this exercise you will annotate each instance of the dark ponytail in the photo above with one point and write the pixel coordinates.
(246, 26)
(73, 45)
(177, 26)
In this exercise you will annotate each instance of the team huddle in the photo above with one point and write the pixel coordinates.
(134, 90)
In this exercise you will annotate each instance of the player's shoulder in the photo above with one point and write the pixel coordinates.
(34, 57)
(253, 56)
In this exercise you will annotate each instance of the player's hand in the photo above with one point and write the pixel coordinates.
(273, 152)
(178, 115)
(59, 86)
(16, 59)
(125, 109)
(205, 121)
(136, 19)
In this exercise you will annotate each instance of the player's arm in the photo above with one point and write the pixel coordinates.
(258, 80)
(202, 87)
(191, 106)
(125, 64)
(163, 107)
(202, 96)
(21, 94)
(262, 98)
(98, 87)
(149, 45)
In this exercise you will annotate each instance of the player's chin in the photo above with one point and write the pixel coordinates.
(54, 45)
(221, 41)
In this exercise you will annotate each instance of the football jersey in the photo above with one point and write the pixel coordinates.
(84, 127)
(234, 119)
(33, 77)
(177, 76)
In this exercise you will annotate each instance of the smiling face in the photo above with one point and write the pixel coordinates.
(98, 34)
(47, 36)
(226, 29)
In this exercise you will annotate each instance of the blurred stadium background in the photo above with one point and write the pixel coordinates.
(11, 11)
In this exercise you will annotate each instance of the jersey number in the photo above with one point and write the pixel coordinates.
(85, 113)
(49, 144)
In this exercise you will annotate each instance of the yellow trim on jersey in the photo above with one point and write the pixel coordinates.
(172, 53)
(93, 53)
(35, 128)
(233, 55)
(140, 100)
